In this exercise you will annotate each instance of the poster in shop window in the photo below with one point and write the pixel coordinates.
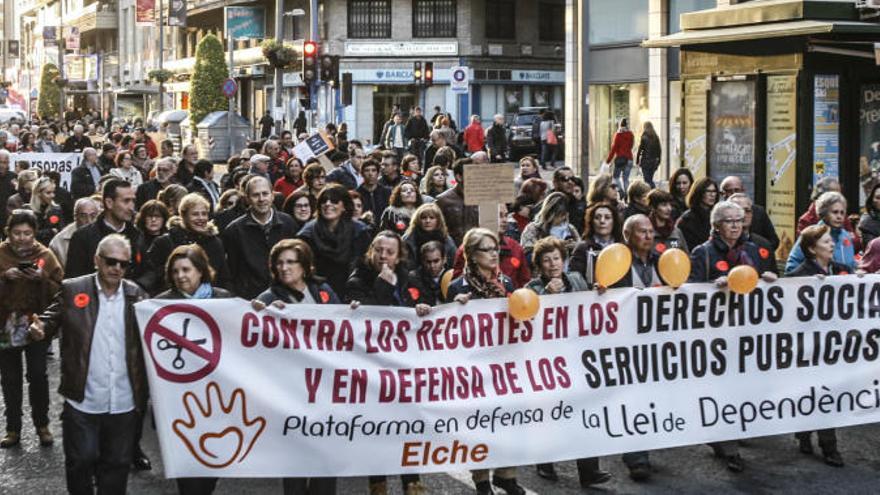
(732, 132)
(695, 126)
(869, 149)
(782, 158)
(826, 125)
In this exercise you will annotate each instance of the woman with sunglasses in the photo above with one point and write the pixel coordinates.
(30, 275)
(337, 239)
(190, 276)
(694, 223)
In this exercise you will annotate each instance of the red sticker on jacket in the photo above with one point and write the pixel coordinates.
(722, 266)
(847, 242)
(514, 262)
(764, 253)
(41, 263)
(53, 219)
(400, 225)
(660, 247)
(414, 293)
(137, 258)
(324, 296)
(81, 300)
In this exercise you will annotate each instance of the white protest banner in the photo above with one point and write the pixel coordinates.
(315, 145)
(63, 163)
(331, 391)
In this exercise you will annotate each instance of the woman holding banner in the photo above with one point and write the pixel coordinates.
(818, 247)
(602, 227)
(482, 279)
(711, 261)
(831, 209)
(549, 257)
(190, 276)
(293, 282)
(381, 279)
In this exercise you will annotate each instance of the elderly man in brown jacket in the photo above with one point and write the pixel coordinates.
(103, 378)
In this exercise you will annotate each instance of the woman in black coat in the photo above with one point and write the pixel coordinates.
(191, 227)
(694, 223)
(381, 279)
(190, 276)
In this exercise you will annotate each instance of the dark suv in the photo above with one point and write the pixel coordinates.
(522, 133)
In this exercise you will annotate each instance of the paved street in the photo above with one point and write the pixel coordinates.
(774, 466)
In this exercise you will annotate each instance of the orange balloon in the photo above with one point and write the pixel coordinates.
(613, 264)
(445, 280)
(523, 304)
(742, 279)
(674, 267)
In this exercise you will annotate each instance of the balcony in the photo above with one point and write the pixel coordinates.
(93, 17)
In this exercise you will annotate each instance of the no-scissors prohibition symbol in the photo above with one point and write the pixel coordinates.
(183, 342)
(229, 88)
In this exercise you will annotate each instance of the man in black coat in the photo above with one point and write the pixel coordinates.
(165, 169)
(761, 223)
(203, 183)
(416, 126)
(496, 140)
(118, 200)
(438, 140)
(7, 187)
(374, 195)
(249, 239)
(84, 179)
(78, 142)
(430, 272)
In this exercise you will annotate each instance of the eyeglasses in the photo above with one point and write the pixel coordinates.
(115, 262)
(733, 221)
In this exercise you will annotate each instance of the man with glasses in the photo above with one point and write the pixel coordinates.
(106, 389)
(711, 262)
(85, 211)
(766, 250)
(563, 181)
(165, 170)
(761, 223)
(118, 200)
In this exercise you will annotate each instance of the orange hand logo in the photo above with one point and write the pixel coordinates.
(218, 449)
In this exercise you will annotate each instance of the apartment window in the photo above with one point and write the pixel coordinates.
(621, 21)
(434, 18)
(501, 19)
(369, 18)
(551, 21)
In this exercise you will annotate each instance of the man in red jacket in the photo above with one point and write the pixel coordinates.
(140, 137)
(622, 154)
(474, 136)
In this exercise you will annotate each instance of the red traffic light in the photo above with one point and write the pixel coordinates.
(310, 48)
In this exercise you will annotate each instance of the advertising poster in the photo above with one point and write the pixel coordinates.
(144, 14)
(246, 22)
(732, 138)
(695, 126)
(826, 125)
(869, 147)
(782, 158)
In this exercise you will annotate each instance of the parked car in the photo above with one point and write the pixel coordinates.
(522, 135)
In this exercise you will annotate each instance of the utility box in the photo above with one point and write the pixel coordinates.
(169, 122)
(213, 136)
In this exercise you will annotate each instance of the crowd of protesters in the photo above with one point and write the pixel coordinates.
(380, 227)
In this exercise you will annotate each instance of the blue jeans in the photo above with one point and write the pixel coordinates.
(97, 446)
(622, 166)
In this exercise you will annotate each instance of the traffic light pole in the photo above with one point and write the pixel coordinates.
(279, 72)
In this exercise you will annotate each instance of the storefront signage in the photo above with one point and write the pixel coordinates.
(826, 127)
(732, 136)
(542, 76)
(400, 49)
(401, 75)
(782, 158)
(246, 22)
(869, 146)
(695, 126)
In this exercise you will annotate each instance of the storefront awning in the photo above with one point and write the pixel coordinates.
(137, 90)
(764, 31)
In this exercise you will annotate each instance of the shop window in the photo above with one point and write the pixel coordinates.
(435, 18)
(678, 7)
(621, 21)
(501, 19)
(369, 18)
(551, 22)
(542, 96)
(513, 98)
(609, 103)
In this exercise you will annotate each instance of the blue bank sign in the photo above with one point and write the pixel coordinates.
(246, 22)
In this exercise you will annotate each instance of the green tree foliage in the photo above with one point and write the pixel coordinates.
(48, 101)
(206, 91)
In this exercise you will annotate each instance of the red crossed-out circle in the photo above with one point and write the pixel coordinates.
(155, 329)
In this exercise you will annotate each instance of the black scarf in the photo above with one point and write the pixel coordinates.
(421, 237)
(334, 245)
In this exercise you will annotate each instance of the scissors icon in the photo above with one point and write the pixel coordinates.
(166, 345)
